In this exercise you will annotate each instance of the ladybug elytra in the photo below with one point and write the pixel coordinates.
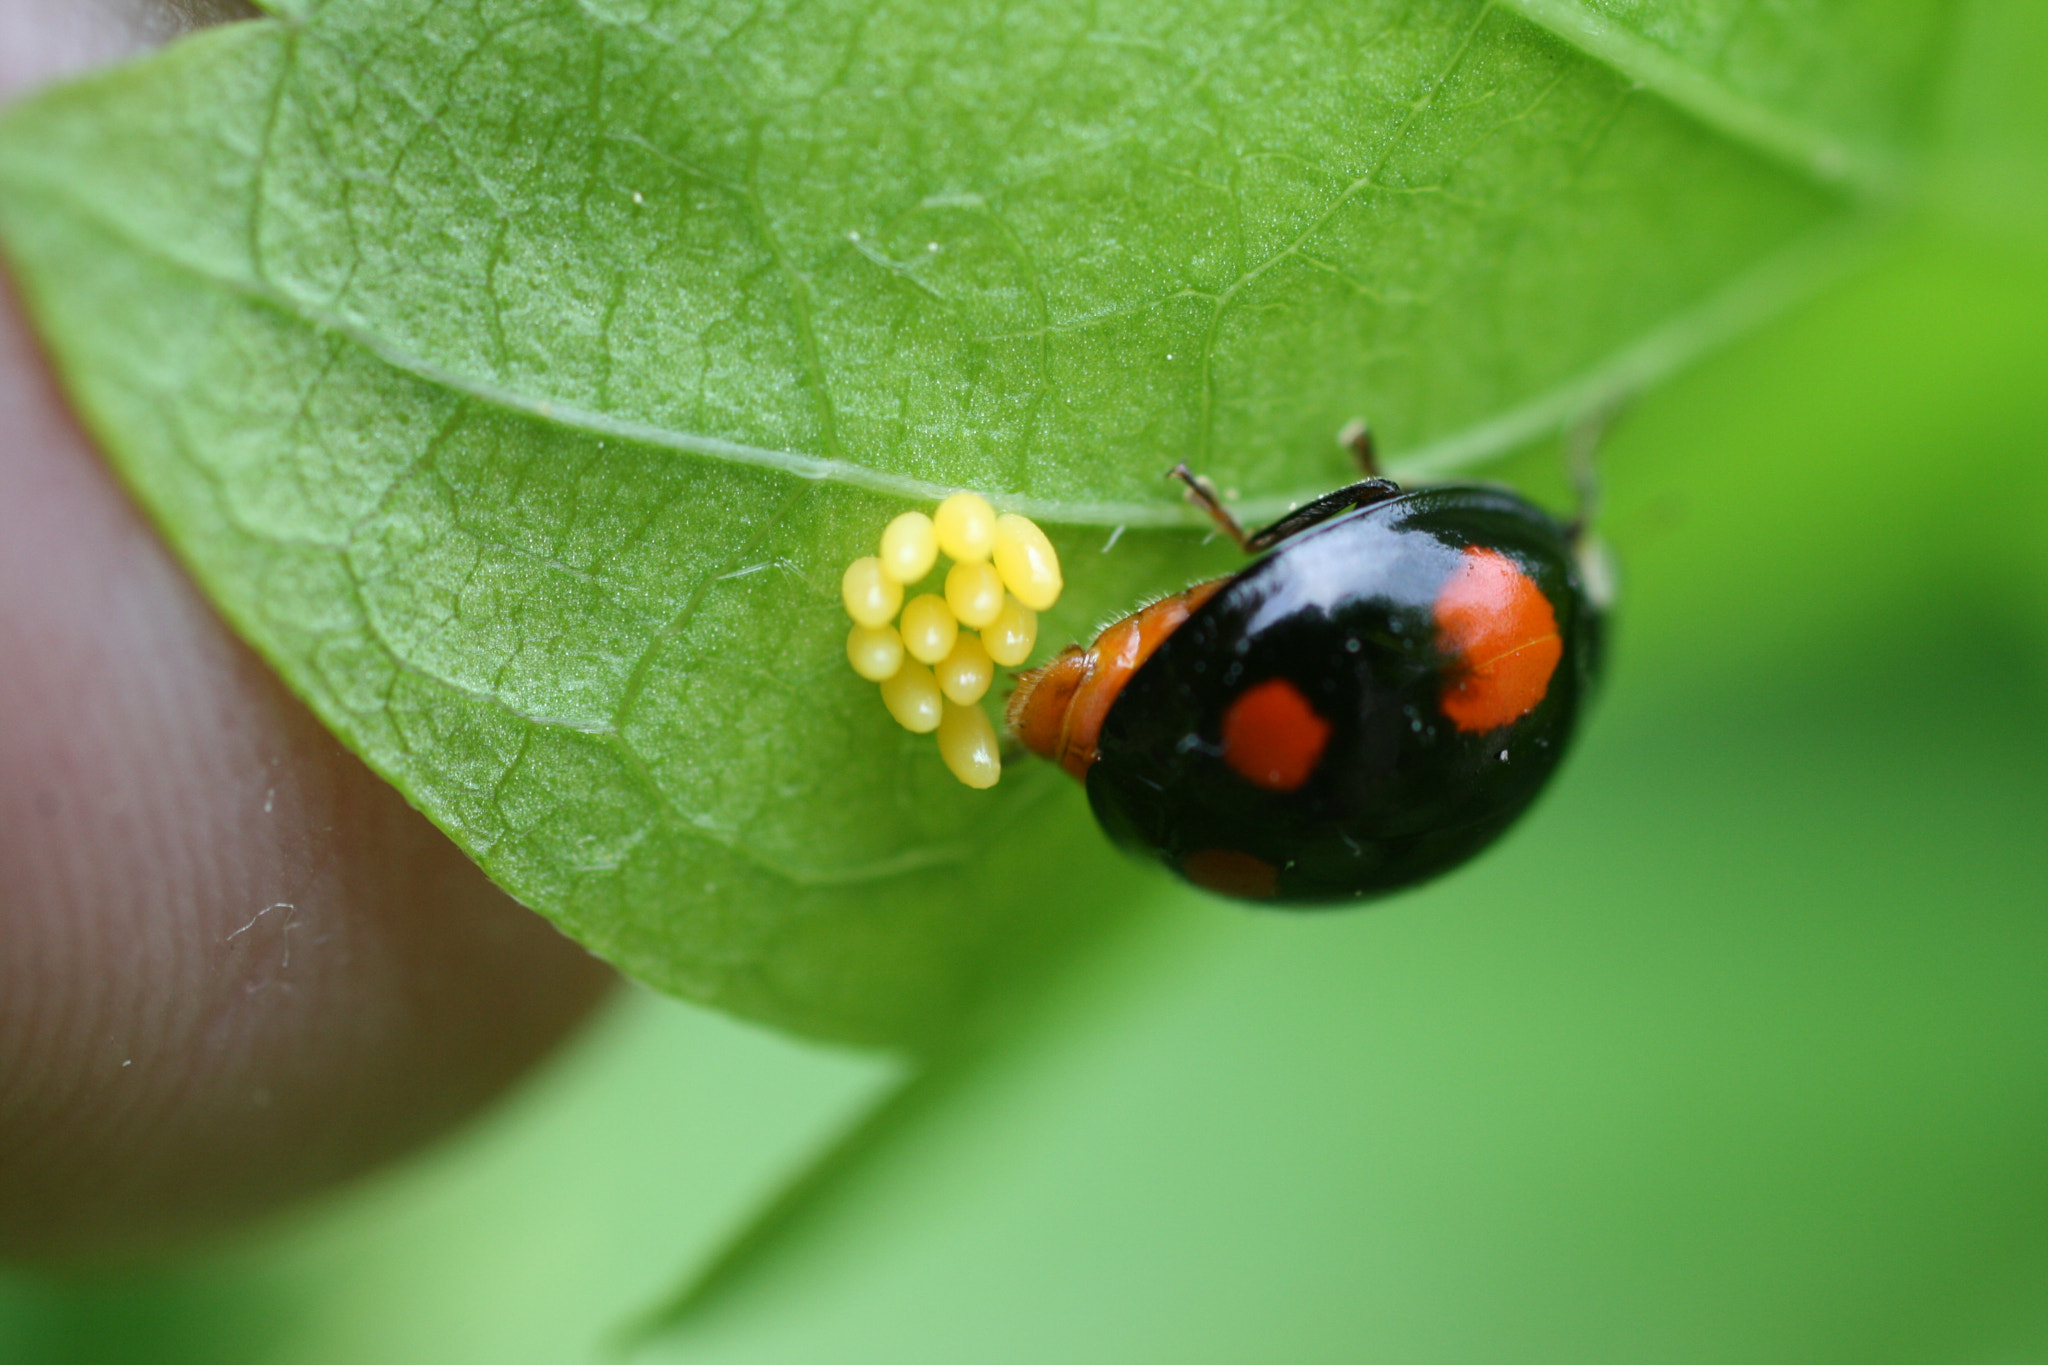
(1368, 704)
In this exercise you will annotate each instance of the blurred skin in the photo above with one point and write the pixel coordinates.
(235, 967)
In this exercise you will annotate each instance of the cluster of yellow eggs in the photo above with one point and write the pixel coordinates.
(934, 673)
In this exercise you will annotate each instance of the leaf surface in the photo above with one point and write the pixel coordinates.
(519, 377)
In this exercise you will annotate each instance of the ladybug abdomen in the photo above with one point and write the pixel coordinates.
(1363, 709)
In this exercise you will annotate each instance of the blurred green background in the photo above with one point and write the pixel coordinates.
(1736, 1050)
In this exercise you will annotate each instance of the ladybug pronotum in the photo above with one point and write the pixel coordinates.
(1367, 705)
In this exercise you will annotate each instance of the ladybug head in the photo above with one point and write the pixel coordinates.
(1038, 710)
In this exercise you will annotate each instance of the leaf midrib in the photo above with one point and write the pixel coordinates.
(1814, 154)
(1765, 290)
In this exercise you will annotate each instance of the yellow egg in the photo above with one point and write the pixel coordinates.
(875, 652)
(913, 697)
(1025, 559)
(909, 547)
(1011, 635)
(871, 596)
(975, 593)
(929, 628)
(968, 744)
(964, 675)
(966, 527)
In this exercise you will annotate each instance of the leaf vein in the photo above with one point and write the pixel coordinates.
(1812, 152)
(1771, 286)
(1395, 140)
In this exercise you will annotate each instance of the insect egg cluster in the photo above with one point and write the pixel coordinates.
(936, 660)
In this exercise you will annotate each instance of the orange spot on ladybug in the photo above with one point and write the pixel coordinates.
(1272, 736)
(1500, 629)
(1228, 872)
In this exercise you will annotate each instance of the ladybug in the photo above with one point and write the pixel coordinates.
(1371, 702)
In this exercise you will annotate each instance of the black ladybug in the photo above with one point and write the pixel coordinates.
(1369, 704)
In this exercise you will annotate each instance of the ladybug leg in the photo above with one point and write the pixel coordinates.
(1356, 437)
(1362, 494)
(1203, 494)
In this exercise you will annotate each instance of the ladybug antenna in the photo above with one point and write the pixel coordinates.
(1203, 494)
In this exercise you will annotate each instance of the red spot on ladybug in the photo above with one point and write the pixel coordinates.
(1273, 737)
(1500, 629)
(1228, 872)
(1260, 735)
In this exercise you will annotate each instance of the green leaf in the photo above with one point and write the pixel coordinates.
(518, 378)
(1839, 91)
